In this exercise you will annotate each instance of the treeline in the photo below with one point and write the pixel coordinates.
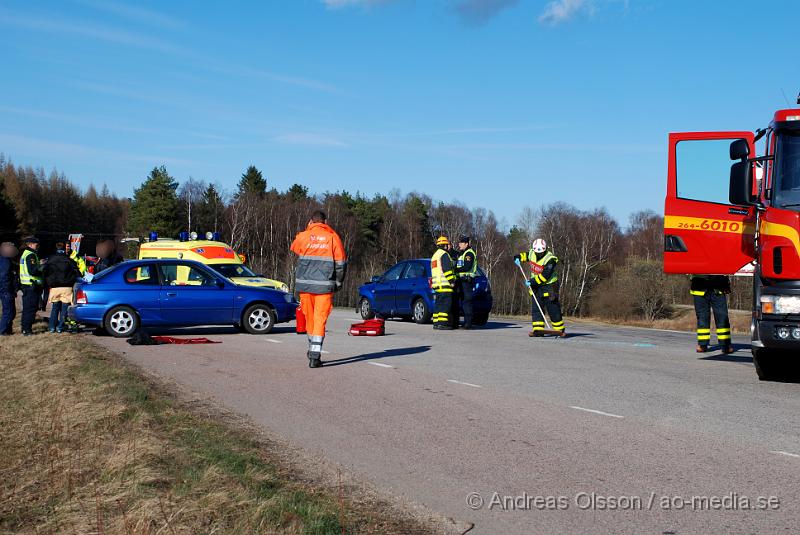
(605, 270)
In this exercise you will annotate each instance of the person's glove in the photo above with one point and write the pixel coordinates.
(338, 286)
(516, 261)
(528, 284)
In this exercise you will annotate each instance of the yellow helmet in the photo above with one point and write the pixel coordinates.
(442, 240)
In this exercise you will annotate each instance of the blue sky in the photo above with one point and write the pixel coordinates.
(495, 103)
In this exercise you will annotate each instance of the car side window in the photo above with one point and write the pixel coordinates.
(394, 273)
(141, 275)
(182, 275)
(415, 270)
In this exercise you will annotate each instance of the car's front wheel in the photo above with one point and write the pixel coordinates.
(421, 312)
(258, 319)
(121, 322)
(365, 309)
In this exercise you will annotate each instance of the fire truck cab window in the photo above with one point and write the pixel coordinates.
(787, 168)
(703, 169)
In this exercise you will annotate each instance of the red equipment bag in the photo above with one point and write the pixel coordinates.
(300, 321)
(374, 327)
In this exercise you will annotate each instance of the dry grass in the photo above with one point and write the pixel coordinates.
(88, 446)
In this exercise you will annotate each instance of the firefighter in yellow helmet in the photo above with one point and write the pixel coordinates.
(443, 279)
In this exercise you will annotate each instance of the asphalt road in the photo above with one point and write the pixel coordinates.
(612, 430)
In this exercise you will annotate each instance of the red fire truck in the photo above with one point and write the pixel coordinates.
(718, 218)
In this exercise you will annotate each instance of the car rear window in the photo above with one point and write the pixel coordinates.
(141, 275)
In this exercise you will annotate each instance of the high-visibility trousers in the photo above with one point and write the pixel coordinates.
(442, 307)
(547, 297)
(316, 308)
(703, 306)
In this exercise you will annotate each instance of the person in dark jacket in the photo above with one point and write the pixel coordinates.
(108, 255)
(60, 275)
(8, 287)
(30, 279)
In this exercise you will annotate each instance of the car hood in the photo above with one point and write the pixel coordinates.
(260, 282)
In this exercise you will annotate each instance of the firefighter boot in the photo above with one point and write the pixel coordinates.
(727, 349)
(314, 360)
(701, 349)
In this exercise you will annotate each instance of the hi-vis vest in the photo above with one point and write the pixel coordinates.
(472, 273)
(439, 278)
(25, 278)
(541, 263)
(79, 261)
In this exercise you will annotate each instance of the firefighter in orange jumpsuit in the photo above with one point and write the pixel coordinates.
(320, 272)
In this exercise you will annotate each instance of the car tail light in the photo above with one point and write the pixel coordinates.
(81, 298)
(430, 282)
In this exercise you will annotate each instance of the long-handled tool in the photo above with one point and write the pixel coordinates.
(549, 329)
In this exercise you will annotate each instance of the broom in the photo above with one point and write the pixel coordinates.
(549, 329)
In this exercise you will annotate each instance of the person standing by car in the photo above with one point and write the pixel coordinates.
(60, 274)
(443, 279)
(467, 270)
(8, 287)
(30, 279)
(321, 268)
(107, 252)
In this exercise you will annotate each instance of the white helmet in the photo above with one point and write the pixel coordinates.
(539, 246)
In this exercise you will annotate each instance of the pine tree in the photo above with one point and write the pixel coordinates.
(155, 205)
(211, 210)
(252, 182)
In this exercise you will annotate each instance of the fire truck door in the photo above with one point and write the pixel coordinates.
(703, 232)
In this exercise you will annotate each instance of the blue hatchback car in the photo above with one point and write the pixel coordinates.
(176, 293)
(405, 291)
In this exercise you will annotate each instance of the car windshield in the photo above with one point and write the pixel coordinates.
(233, 270)
(787, 169)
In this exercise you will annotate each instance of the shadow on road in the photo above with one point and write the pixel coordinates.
(399, 352)
(741, 354)
(498, 325)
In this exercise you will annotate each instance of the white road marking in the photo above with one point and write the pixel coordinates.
(463, 383)
(382, 365)
(788, 454)
(272, 340)
(601, 413)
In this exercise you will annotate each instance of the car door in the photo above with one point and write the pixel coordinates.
(385, 290)
(142, 292)
(413, 282)
(193, 295)
(703, 232)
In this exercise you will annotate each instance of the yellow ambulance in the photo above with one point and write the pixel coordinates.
(215, 254)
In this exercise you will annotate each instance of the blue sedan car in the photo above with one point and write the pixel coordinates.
(176, 293)
(405, 291)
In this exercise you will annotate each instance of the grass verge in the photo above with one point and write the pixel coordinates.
(90, 446)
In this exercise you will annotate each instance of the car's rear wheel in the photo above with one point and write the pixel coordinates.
(121, 322)
(258, 319)
(365, 309)
(421, 312)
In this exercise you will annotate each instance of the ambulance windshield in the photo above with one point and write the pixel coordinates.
(233, 270)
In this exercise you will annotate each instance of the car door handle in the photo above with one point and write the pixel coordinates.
(172, 294)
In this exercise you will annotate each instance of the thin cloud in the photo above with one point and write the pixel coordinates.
(137, 40)
(340, 4)
(102, 33)
(480, 11)
(135, 13)
(309, 139)
(37, 147)
(559, 11)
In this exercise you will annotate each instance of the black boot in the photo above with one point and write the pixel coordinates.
(314, 360)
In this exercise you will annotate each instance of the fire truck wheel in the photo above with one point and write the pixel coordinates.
(774, 365)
